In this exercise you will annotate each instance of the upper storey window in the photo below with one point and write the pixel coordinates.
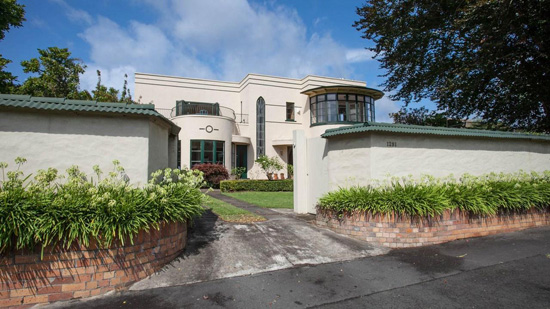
(341, 108)
(289, 111)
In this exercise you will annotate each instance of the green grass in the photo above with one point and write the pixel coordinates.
(230, 213)
(266, 199)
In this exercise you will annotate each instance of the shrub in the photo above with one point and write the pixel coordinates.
(484, 195)
(256, 185)
(238, 171)
(44, 212)
(213, 173)
(269, 165)
(290, 170)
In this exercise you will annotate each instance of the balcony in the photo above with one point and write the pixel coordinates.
(201, 108)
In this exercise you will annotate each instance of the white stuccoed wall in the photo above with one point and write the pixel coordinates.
(61, 140)
(356, 159)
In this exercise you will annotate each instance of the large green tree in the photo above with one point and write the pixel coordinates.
(475, 58)
(12, 15)
(424, 117)
(58, 74)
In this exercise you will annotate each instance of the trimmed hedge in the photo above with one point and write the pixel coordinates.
(257, 185)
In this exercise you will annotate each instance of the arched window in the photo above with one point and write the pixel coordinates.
(260, 127)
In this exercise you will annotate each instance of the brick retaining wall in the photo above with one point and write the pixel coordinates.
(26, 280)
(403, 231)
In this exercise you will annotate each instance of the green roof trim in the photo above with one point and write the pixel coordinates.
(415, 129)
(67, 105)
(374, 93)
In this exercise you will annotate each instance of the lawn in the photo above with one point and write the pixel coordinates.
(230, 213)
(266, 199)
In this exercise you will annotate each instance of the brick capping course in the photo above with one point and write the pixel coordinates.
(400, 231)
(85, 271)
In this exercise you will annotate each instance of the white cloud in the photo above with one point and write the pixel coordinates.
(359, 55)
(75, 15)
(221, 39)
(384, 107)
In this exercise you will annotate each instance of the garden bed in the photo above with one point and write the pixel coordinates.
(84, 271)
(404, 212)
(73, 236)
(398, 231)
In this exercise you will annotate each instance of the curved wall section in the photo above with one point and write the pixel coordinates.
(207, 128)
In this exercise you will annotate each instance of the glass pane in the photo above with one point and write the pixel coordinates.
(361, 112)
(219, 157)
(332, 110)
(352, 112)
(313, 110)
(196, 145)
(290, 111)
(219, 146)
(341, 97)
(331, 96)
(351, 97)
(208, 146)
(360, 98)
(313, 100)
(208, 156)
(320, 98)
(196, 156)
(342, 116)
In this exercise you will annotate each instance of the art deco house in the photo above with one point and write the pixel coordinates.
(233, 123)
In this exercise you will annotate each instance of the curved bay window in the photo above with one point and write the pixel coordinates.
(260, 127)
(341, 108)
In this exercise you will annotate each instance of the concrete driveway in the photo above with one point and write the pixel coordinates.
(218, 249)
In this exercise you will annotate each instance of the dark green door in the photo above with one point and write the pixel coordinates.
(241, 158)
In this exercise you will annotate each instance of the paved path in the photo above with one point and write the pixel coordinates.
(218, 249)
(500, 271)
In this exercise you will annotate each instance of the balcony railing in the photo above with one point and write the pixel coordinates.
(198, 108)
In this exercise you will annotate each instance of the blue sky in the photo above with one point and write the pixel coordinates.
(213, 39)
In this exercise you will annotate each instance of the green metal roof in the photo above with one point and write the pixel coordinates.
(414, 129)
(66, 105)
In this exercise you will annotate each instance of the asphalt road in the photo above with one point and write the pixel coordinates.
(503, 271)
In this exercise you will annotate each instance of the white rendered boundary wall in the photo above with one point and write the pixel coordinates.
(325, 164)
(60, 140)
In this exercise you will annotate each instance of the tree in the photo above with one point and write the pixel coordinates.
(479, 58)
(7, 80)
(58, 74)
(424, 117)
(12, 14)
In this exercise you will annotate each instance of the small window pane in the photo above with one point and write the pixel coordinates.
(352, 111)
(342, 115)
(331, 96)
(196, 145)
(289, 111)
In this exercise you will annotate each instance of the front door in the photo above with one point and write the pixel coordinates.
(241, 158)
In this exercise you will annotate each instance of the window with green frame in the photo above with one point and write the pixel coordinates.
(341, 108)
(207, 151)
